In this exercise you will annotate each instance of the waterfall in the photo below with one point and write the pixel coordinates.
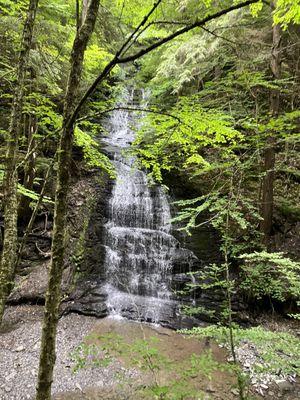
(139, 245)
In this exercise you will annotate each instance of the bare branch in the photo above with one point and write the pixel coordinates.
(145, 19)
(196, 24)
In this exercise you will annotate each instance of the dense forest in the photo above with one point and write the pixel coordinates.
(150, 214)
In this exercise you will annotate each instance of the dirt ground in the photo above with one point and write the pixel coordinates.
(123, 377)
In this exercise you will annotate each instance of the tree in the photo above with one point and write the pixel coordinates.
(10, 241)
(269, 156)
(47, 356)
(70, 114)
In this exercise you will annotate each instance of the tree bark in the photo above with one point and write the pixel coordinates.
(85, 4)
(11, 177)
(53, 297)
(270, 155)
(29, 170)
(31, 128)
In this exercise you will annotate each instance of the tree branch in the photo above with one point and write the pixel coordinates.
(116, 60)
(196, 24)
(145, 19)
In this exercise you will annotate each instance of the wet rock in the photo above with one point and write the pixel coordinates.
(89, 298)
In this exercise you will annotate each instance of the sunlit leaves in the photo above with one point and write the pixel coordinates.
(164, 143)
(11, 7)
(91, 151)
(272, 275)
(287, 12)
(22, 190)
(95, 59)
(256, 8)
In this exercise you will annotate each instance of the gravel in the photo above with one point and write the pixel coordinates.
(19, 354)
(263, 382)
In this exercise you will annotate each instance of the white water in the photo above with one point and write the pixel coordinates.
(139, 244)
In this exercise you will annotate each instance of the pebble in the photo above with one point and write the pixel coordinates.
(249, 357)
(10, 376)
(283, 385)
(20, 348)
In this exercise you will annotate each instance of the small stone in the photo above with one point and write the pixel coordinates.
(79, 387)
(210, 389)
(235, 392)
(36, 346)
(10, 376)
(283, 385)
(20, 348)
(7, 389)
(270, 393)
(264, 386)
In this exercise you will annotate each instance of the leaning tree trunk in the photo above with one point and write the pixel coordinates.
(269, 156)
(11, 177)
(53, 297)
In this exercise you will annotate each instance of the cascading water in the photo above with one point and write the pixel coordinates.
(139, 245)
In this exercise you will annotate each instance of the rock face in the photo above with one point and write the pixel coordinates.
(123, 257)
(129, 261)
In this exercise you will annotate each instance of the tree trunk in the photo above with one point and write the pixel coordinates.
(29, 170)
(31, 128)
(269, 157)
(85, 4)
(11, 177)
(53, 297)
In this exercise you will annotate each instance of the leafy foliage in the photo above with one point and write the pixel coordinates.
(177, 139)
(287, 11)
(272, 275)
(278, 350)
(91, 152)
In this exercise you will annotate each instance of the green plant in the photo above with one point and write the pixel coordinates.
(145, 355)
(278, 351)
(86, 355)
(270, 274)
